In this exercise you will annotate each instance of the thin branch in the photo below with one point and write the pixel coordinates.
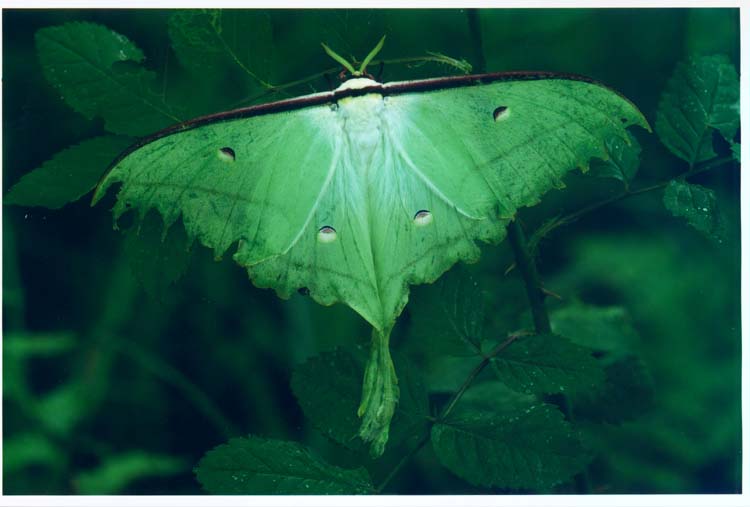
(527, 268)
(473, 374)
(404, 460)
(476, 39)
(530, 275)
(448, 408)
(548, 227)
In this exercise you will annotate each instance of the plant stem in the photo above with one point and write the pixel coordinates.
(448, 409)
(470, 378)
(527, 268)
(530, 275)
(476, 39)
(572, 217)
(405, 459)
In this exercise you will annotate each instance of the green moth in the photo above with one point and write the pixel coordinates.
(357, 193)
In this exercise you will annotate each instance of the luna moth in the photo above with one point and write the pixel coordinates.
(355, 194)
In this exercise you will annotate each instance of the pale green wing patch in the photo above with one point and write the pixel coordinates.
(356, 208)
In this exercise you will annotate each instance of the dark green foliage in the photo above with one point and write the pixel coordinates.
(623, 161)
(601, 328)
(98, 72)
(157, 257)
(119, 470)
(450, 314)
(547, 364)
(108, 390)
(328, 388)
(208, 42)
(257, 466)
(531, 449)
(627, 393)
(69, 175)
(696, 204)
(702, 95)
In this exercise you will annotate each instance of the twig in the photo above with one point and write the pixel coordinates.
(476, 39)
(448, 408)
(530, 275)
(527, 268)
(572, 217)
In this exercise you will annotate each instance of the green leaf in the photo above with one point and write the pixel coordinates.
(602, 328)
(22, 450)
(696, 204)
(258, 466)
(157, 257)
(118, 471)
(532, 449)
(624, 157)
(449, 314)
(98, 73)
(65, 406)
(628, 392)
(22, 345)
(328, 388)
(67, 176)
(702, 95)
(18, 349)
(208, 42)
(493, 397)
(547, 364)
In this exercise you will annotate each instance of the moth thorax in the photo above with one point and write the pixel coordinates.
(363, 120)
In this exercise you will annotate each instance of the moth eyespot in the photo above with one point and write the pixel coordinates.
(500, 113)
(226, 154)
(422, 218)
(326, 234)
